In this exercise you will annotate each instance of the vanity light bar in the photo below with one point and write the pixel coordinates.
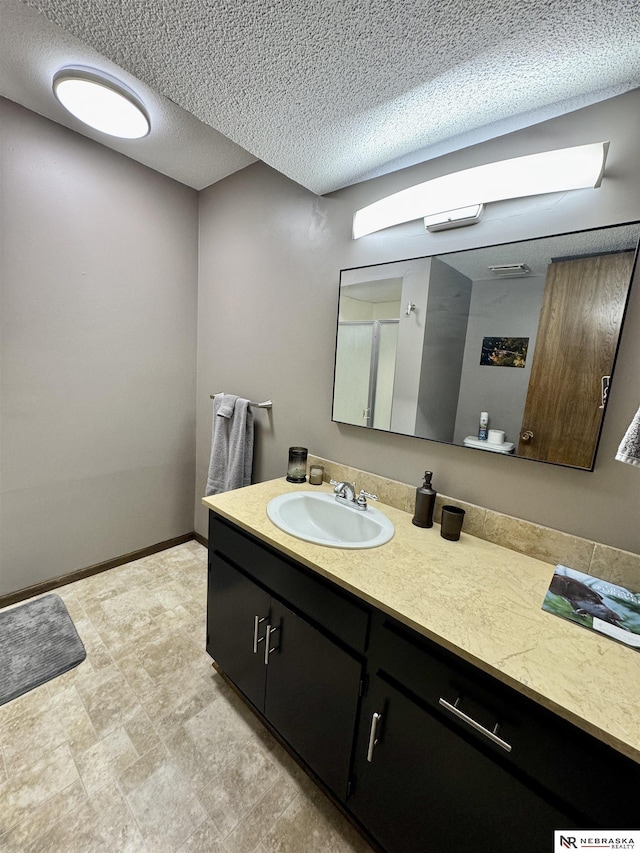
(575, 168)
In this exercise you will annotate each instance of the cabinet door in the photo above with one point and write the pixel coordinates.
(234, 640)
(312, 696)
(427, 788)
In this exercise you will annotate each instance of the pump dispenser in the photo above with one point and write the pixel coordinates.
(484, 426)
(425, 503)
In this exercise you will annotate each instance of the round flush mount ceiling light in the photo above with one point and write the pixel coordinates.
(101, 101)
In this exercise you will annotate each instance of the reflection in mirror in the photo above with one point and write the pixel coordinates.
(527, 332)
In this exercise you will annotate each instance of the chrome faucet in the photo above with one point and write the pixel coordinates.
(346, 493)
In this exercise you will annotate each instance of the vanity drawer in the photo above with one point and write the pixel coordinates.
(334, 610)
(539, 747)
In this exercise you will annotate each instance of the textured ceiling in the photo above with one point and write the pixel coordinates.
(330, 92)
(32, 49)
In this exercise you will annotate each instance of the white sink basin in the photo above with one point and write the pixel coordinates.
(318, 517)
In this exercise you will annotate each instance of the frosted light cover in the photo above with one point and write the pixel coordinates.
(534, 174)
(100, 104)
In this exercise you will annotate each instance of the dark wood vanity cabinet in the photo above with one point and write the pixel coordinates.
(435, 754)
(476, 764)
(263, 634)
(430, 746)
(420, 785)
(234, 612)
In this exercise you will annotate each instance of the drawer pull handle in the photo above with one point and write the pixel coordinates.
(267, 643)
(373, 740)
(492, 735)
(257, 620)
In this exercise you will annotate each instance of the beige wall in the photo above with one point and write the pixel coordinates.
(270, 255)
(98, 326)
(98, 269)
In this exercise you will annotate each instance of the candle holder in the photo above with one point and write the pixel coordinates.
(297, 468)
(316, 474)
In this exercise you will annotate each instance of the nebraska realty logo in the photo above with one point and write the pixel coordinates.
(592, 839)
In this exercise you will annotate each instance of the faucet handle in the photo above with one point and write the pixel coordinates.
(362, 498)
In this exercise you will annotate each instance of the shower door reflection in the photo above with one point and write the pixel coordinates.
(365, 370)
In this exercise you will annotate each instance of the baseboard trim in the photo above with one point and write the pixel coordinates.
(79, 574)
(201, 539)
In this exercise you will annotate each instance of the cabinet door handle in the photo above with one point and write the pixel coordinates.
(267, 643)
(257, 620)
(492, 735)
(373, 740)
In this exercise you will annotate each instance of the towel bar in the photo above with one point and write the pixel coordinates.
(266, 405)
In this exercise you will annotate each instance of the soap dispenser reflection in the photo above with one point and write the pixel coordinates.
(425, 503)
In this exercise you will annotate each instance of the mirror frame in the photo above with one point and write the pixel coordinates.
(443, 256)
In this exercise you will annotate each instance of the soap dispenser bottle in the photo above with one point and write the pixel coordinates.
(425, 503)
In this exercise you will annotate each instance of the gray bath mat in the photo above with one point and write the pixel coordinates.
(38, 641)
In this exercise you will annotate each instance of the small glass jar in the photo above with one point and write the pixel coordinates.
(316, 474)
(297, 468)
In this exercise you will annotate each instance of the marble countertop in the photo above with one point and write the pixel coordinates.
(479, 600)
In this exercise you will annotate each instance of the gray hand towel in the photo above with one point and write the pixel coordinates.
(629, 450)
(231, 444)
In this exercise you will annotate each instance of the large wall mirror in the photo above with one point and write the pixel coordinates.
(527, 332)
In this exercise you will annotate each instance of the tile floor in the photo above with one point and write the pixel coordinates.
(143, 747)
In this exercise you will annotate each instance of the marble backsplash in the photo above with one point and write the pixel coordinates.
(543, 543)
